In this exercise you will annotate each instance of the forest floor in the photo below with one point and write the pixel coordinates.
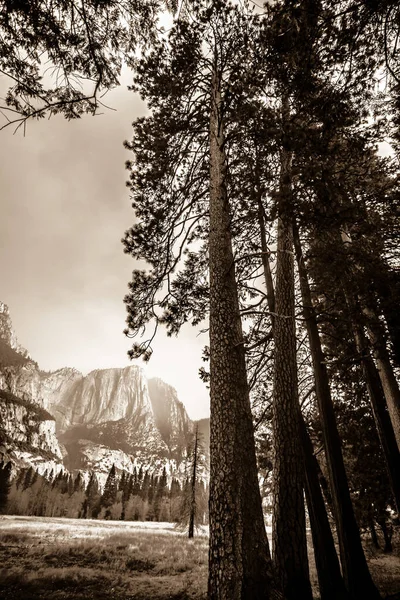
(69, 559)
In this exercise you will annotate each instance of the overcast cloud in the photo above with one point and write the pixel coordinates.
(63, 273)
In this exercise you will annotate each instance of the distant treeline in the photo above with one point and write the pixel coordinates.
(136, 496)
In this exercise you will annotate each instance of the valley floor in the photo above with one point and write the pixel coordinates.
(69, 559)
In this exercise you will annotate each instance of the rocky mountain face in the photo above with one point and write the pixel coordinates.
(104, 395)
(28, 435)
(170, 415)
(7, 333)
(110, 416)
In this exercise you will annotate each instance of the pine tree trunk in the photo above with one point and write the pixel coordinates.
(326, 492)
(330, 579)
(289, 530)
(193, 486)
(392, 291)
(240, 566)
(385, 370)
(381, 416)
(387, 536)
(331, 584)
(374, 537)
(269, 284)
(354, 565)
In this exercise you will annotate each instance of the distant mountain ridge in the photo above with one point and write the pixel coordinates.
(109, 416)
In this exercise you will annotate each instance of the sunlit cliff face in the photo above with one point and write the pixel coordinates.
(109, 416)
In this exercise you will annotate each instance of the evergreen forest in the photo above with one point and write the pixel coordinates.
(125, 496)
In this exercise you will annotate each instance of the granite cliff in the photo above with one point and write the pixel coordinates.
(27, 435)
(7, 333)
(170, 415)
(109, 416)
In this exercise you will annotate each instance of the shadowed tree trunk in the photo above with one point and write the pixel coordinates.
(382, 417)
(387, 535)
(385, 370)
(331, 584)
(269, 284)
(289, 531)
(354, 565)
(192, 513)
(374, 537)
(326, 492)
(330, 579)
(386, 374)
(380, 413)
(240, 566)
(5, 478)
(390, 292)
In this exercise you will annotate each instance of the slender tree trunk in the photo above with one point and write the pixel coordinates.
(392, 321)
(240, 566)
(331, 584)
(379, 410)
(354, 565)
(289, 531)
(330, 579)
(326, 492)
(387, 536)
(374, 537)
(373, 379)
(193, 485)
(269, 284)
(377, 338)
(385, 370)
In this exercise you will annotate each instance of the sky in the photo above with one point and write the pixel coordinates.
(63, 273)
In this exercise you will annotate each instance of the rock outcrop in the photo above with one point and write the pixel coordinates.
(50, 390)
(7, 333)
(110, 416)
(28, 435)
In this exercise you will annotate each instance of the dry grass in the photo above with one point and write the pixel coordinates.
(63, 559)
(68, 559)
(385, 568)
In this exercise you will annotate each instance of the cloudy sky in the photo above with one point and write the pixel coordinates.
(63, 273)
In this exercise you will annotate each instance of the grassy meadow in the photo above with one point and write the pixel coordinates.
(69, 559)
(62, 559)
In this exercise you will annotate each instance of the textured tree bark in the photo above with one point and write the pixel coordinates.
(354, 565)
(240, 566)
(289, 531)
(193, 485)
(330, 578)
(381, 415)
